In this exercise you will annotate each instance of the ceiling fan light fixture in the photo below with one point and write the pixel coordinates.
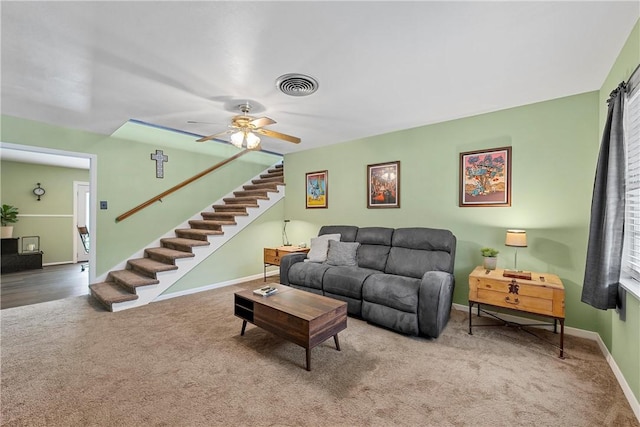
(253, 141)
(237, 139)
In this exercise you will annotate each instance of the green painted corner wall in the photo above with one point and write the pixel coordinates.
(51, 218)
(126, 177)
(554, 147)
(622, 338)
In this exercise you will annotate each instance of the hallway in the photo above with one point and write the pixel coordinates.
(35, 286)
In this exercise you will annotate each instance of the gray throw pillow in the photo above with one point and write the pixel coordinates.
(319, 247)
(342, 253)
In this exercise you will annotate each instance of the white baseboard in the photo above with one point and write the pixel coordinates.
(581, 333)
(214, 286)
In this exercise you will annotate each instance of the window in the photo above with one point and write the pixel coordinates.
(630, 279)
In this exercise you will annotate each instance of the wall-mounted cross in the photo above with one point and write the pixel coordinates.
(160, 159)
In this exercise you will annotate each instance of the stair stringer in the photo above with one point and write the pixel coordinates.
(150, 293)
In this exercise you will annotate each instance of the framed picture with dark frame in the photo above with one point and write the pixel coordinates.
(485, 178)
(383, 185)
(317, 184)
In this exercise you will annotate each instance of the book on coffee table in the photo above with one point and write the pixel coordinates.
(265, 291)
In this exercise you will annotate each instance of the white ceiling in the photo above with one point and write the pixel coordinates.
(381, 66)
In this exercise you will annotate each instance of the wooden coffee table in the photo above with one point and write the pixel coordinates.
(304, 318)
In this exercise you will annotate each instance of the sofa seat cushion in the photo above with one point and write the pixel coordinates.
(398, 292)
(396, 320)
(309, 274)
(346, 280)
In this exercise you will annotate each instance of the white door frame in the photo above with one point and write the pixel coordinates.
(76, 186)
(93, 185)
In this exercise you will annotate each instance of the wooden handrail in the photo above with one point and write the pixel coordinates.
(179, 186)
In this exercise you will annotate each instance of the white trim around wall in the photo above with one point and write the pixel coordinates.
(46, 215)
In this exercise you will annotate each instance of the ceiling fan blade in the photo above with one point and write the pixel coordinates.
(274, 134)
(215, 135)
(261, 121)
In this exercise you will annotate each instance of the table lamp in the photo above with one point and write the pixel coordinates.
(516, 239)
(285, 238)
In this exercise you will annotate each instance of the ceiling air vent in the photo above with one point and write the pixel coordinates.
(297, 84)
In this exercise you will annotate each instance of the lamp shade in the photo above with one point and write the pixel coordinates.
(516, 238)
(237, 139)
(253, 141)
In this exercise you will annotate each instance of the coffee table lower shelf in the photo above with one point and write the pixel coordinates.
(300, 317)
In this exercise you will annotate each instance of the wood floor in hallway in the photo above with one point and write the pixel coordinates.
(48, 284)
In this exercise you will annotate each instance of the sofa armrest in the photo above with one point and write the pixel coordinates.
(285, 264)
(434, 303)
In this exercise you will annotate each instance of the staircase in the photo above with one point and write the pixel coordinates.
(144, 278)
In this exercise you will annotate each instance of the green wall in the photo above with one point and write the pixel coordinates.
(554, 145)
(622, 338)
(126, 177)
(51, 218)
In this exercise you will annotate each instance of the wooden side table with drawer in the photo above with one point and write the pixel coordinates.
(542, 294)
(272, 255)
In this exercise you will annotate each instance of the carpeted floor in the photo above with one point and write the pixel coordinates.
(182, 362)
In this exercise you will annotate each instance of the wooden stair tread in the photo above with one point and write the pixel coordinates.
(183, 242)
(269, 186)
(109, 293)
(221, 216)
(132, 279)
(244, 199)
(151, 265)
(170, 253)
(274, 180)
(252, 193)
(236, 205)
(211, 222)
(199, 232)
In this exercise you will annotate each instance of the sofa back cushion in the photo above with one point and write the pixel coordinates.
(414, 251)
(375, 243)
(347, 232)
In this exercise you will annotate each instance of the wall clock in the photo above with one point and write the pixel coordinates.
(38, 191)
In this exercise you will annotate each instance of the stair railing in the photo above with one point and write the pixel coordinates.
(177, 187)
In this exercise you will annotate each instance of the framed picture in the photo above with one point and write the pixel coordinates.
(317, 189)
(383, 185)
(485, 178)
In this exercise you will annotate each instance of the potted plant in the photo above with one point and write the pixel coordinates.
(8, 215)
(490, 258)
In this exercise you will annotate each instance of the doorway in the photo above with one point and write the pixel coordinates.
(34, 154)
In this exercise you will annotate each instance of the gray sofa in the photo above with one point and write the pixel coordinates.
(403, 279)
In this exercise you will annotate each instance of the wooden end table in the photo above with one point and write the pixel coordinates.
(542, 294)
(272, 255)
(303, 318)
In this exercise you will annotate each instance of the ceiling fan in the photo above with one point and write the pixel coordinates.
(243, 130)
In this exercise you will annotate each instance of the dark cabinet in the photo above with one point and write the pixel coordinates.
(13, 261)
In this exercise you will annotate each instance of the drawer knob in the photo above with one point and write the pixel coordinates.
(515, 301)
